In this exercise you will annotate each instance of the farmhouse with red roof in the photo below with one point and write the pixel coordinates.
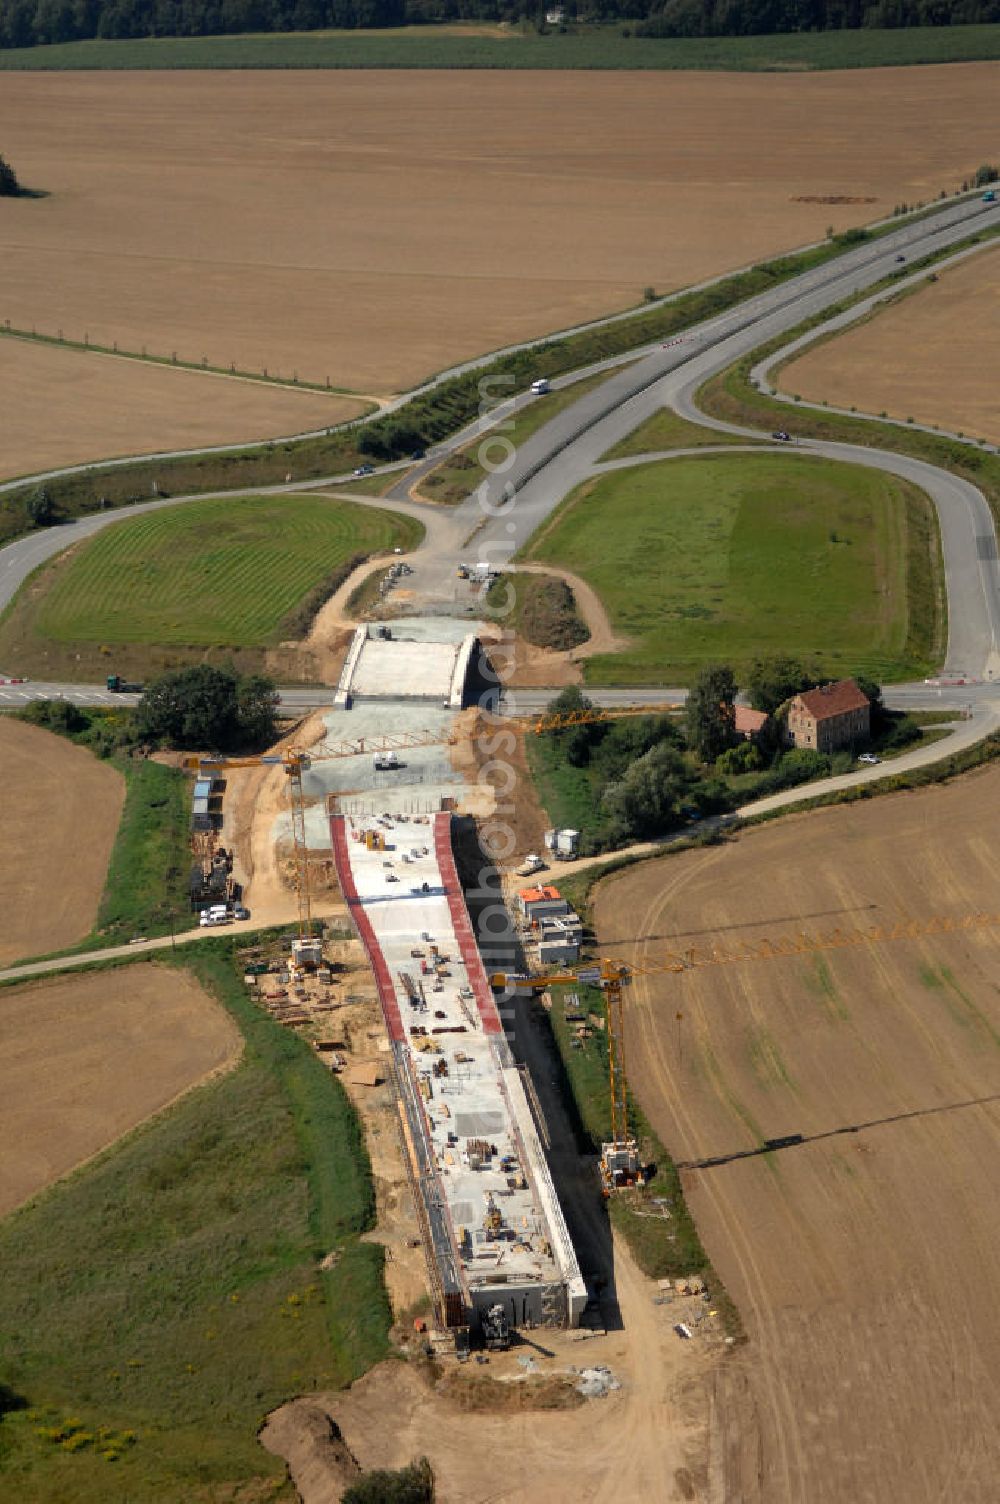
(832, 716)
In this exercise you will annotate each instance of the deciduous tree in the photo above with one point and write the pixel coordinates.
(9, 186)
(211, 709)
(769, 682)
(41, 508)
(711, 712)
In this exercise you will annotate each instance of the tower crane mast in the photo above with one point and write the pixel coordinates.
(620, 1162)
(295, 760)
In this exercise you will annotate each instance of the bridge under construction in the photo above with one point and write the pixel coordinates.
(493, 1230)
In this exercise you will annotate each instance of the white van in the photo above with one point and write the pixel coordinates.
(540, 387)
(217, 914)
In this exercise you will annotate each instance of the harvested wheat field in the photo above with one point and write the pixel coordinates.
(863, 1260)
(372, 227)
(87, 1057)
(107, 407)
(61, 808)
(931, 356)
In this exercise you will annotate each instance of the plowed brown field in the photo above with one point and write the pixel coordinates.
(85, 1058)
(931, 356)
(864, 1259)
(65, 407)
(60, 812)
(375, 226)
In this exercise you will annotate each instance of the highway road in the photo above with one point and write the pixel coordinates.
(499, 519)
(669, 377)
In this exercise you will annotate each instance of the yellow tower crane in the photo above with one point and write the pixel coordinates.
(295, 760)
(533, 725)
(620, 1161)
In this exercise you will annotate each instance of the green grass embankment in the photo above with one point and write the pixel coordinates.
(567, 793)
(668, 430)
(459, 475)
(161, 1300)
(146, 892)
(663, 1246)
(227, 577)
(602, 47)
(727, 559)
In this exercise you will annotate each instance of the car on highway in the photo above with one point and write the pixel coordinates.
(900, 258)
(869, 757)
(13, 681)
(782, 435)
(365, 470)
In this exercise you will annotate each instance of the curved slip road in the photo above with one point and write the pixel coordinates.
(670, 376)
(499, 519)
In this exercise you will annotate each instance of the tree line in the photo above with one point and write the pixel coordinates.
(199, 709)
(29, 23)
(637, 779)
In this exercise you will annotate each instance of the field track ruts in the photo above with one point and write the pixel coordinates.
(862, 1262)
(71, 1046)
(57, 798)
(375, 227)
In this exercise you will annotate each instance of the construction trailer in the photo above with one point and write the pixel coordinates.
(211, 883)
(563, 844)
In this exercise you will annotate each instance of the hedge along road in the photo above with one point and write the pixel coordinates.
(498, 520)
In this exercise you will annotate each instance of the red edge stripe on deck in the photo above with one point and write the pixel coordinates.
(462, 925)
(363, 925)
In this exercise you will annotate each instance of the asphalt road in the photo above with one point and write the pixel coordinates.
(670, 376)
(498, 520)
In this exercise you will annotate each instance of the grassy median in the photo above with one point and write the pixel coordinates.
(721, 559)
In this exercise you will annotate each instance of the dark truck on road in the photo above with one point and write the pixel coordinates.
(120, 686)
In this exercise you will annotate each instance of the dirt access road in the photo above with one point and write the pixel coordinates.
(87, 1057)
(61, 808)
(375, 227)
(641, 1444)
(863, 1259)
(907, 360)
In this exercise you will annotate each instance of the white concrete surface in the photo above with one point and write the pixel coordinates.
(404, 670)
(465, 1090)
